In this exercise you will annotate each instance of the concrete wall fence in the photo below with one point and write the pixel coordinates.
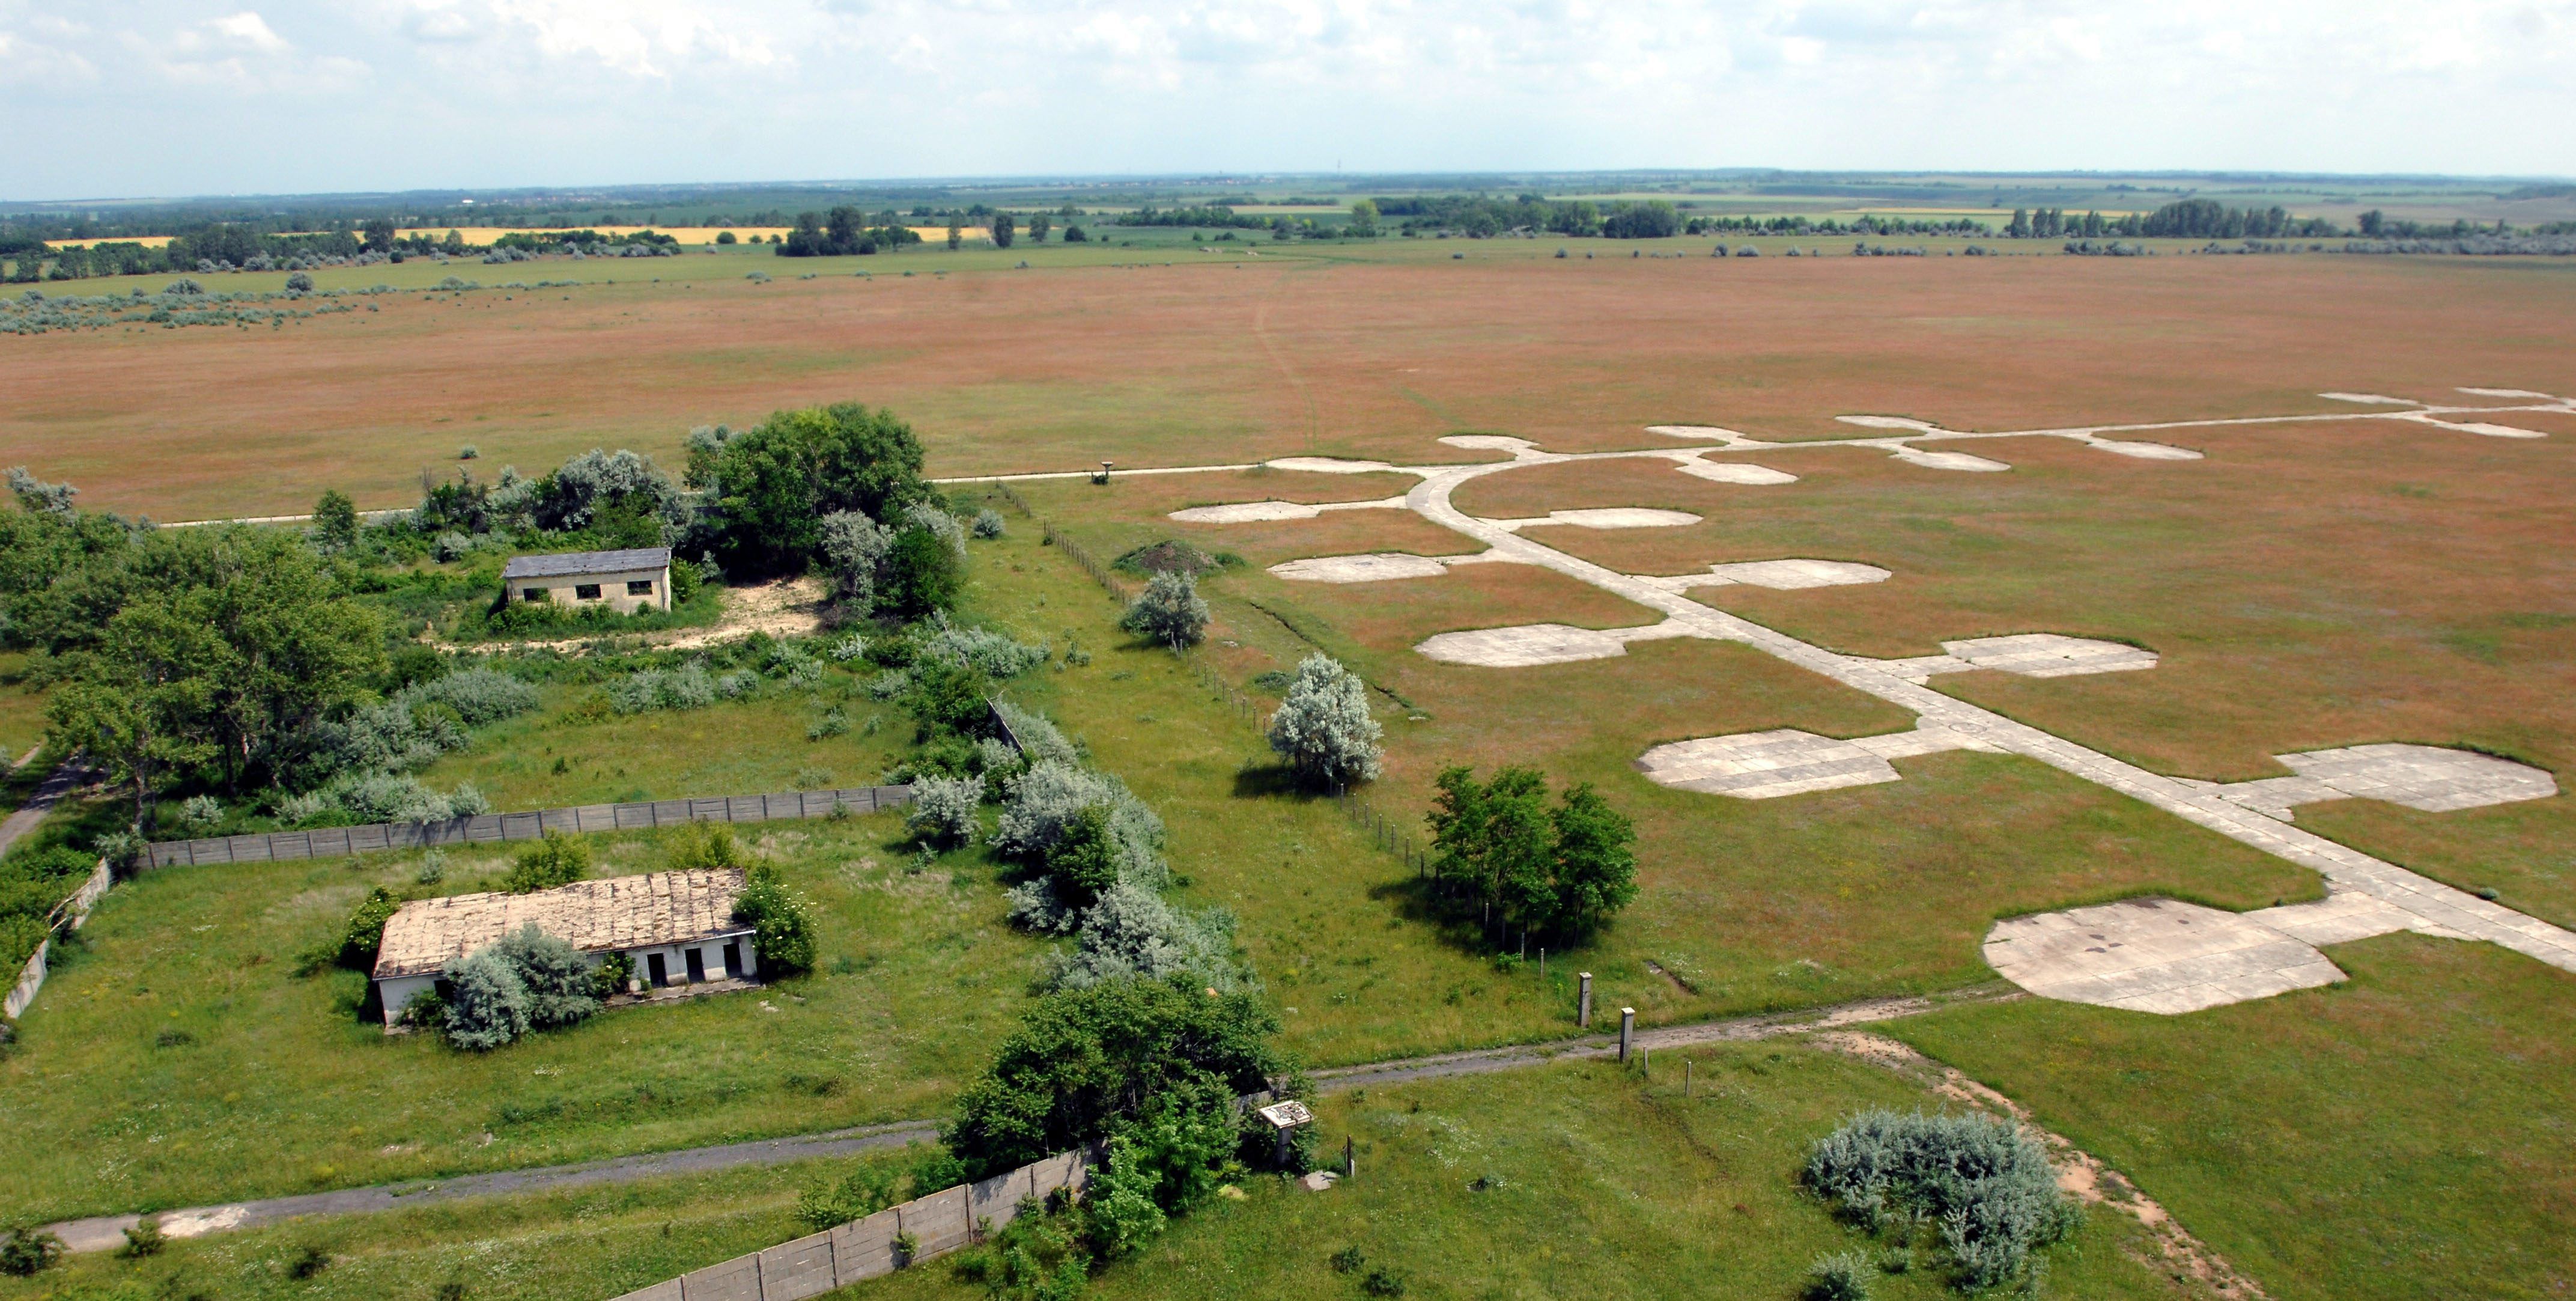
(332, 842)
(835, 1258)
(71, 912)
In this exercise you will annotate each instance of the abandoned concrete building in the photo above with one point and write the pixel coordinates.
(624, 581)
(678, 928)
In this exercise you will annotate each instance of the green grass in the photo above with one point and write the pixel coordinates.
(1600, 1185)
(22, 710)
(1605, 1185)
(587, 1243)
(276, 1085)
(2406, 1134)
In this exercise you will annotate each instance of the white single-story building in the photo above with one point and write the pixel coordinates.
(625, 581)
(678, 928)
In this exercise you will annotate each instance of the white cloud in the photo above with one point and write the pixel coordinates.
(499, 92)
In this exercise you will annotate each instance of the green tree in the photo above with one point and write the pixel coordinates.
(1085, 1062)
(1596, 861)
(335, 522)
(379, 232)
(921, 574)
(1004, 229)
(1084, 859)
(956, 234)
(1039, 225)
(1363, 218)
(144, 706)
(556, 859)
(775, 483)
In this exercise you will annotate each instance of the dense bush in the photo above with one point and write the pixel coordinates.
(560, 984)
(27, 1252)
(1042, 802)
(478, 695)
(991, 653)
(689, 686)
(1085, 1062)
(1169, 612)
(380, 797)
(1985, 1182)
(487, 1003)
(1843, 1276)
(1133, 932)
(921, 573)
(988, 523)
(1323, 728)
(365, 933)
(555, 860)
(854, 547)
(1038, 735)
(782, 923)
(944, 810)
(774, 485)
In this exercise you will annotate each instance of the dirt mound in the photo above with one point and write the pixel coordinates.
(1167, 557)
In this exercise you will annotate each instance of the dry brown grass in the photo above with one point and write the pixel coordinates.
(1366, 352)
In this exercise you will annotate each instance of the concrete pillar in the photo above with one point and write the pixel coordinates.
(1280, 1159)
(1350, 1159)
(1627, 1030)
(1583, 1001)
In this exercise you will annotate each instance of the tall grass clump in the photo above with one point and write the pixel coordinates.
(1984, 1183)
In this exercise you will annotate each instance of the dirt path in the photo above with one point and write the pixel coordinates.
(106, 1232)
(68, 775)
(785, 607)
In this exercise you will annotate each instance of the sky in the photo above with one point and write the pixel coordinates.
(111, 98)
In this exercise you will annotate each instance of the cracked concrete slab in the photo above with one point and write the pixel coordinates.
(1919, 667)
(1605, 517)
(2343, 916)
(2145, 451)
(1695, 431)
(1490, 442)
(1533, 644)
(1790, 575)
(2424, 777)
(2153, 955)
(2276, 796)
(1890, 422)
(1381, 567)
(1763, 765)
(1327, 465)
(1949, 461)
(1758, 476)
(1251, 512)
(2049, 655)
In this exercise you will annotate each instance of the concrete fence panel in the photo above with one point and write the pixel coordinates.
(666, 1290)
(792, 1271)
(737, 1279)
(487, 828)
(938, 1223)
(864, 1249)
(29, 980)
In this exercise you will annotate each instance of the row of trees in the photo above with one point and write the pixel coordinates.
(1553, 872)
(847, 231)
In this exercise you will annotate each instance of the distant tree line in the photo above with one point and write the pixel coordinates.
(1218, 217)
(846, 231)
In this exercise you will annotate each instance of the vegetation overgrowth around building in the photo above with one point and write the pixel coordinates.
(236, 666)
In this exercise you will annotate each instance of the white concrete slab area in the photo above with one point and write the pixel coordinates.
(1755, 476)
(2048, 655)
(1768, 765)
(2371, 398)
(1890, 422)
(2504, 393)
(1490, 443)
(1533, 644)
(1920, 667)
(1327, 465)
(1377, 568)
(2424, 777)
(2145, 451)
(1253, 512)
(1695, 431)
(1605, 517)
(2153, 955)
(1948, 460)
(2343, 916)
(1763, 765)
(1789, 575)
(2487, 430)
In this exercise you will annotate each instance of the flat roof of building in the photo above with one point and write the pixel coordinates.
(563, 564)
(613, 915)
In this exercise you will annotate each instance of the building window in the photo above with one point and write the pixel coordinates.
(585, 591)
(639, 587)
(532, 594)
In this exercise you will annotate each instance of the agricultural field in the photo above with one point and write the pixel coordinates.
(2332, 549)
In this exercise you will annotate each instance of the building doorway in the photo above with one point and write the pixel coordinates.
(660, 971)
(697, 966)
(733, 959)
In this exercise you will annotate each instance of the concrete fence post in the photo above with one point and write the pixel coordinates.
(1627, 1030)
(1583, 1001)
